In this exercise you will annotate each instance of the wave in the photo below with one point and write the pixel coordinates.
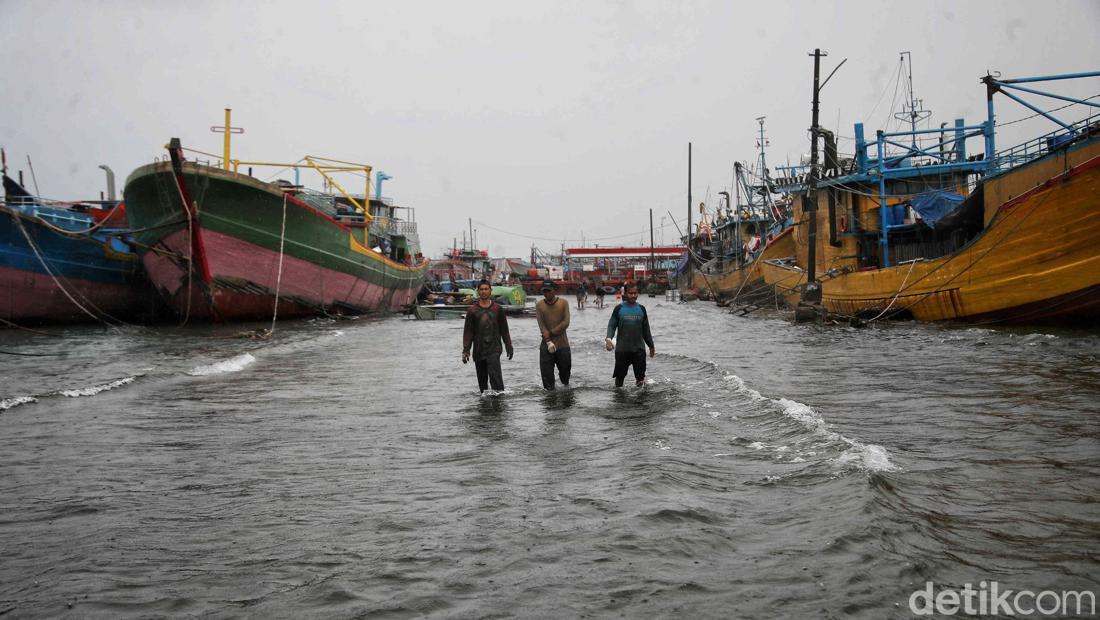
(8, 403)
(233, 364)
(869, 457)
(96, 389)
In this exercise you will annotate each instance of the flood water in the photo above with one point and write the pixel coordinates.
(351, 469)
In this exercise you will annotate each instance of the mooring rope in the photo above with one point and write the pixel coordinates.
(190, 247)
(28, 329)
(32, 354)
(279, 276)
(77, 233)
(898, 294)
(34, 247)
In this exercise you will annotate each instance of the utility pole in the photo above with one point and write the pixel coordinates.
(689, 205)
(809, 201)
(652, 263)
(811, 292)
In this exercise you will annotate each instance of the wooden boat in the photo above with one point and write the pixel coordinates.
(755, 229)
(1022, 247)
(220, 245)
(429, 312)
(65, 262)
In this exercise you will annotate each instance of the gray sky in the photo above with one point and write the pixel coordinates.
(546, 119)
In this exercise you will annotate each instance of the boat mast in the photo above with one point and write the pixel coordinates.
(227, 130)
(912, 111)
(762, 170)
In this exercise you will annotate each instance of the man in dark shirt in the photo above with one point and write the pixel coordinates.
(486, 326)
(631, 321)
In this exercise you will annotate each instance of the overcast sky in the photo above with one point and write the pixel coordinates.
(553, 120)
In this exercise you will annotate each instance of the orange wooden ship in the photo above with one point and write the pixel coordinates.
(915, 226)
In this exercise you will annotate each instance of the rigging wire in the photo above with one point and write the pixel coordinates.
(558, 239)
(897, 80)
(1020, 120)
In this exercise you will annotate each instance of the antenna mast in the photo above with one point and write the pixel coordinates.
(913, 111)
(762, 168)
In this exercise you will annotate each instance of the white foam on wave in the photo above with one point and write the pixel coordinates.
(870, 457)
(96, 389)
(8, 403)
(739, 385)
(233, 364)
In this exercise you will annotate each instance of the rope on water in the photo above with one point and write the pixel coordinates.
(279, 276)
(27, 329)
(31, 354)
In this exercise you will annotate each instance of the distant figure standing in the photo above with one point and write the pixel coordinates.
(600, 292)
(552, 314)
(631, 321)
(582, 294)
(486, 326)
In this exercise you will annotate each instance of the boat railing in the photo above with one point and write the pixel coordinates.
(387, 226)
(326, 203)
(1040, 146)
(41, 208)
(403, 228)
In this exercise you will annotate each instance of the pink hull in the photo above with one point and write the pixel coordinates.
(27, 296)
(244, 278)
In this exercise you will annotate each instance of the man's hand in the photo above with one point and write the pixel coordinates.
(465, 356)
(608, 344)
(509, 352)
(652, 352)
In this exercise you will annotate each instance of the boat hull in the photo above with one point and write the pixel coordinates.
(51, 277)
(746, 283)
(1036, 261)
(232, 257)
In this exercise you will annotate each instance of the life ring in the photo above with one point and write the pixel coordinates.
(843, 224)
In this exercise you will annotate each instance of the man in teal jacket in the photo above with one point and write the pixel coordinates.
(631, 321)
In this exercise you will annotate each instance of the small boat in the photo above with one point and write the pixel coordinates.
(513, 299)
(67, 262)
(220, 245)
(430, 312)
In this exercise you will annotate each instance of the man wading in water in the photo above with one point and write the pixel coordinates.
(632, 323)
(552, 315)
(486, 326)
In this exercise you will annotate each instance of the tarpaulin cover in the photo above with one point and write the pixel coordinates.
(933, 205)
(681, 265)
